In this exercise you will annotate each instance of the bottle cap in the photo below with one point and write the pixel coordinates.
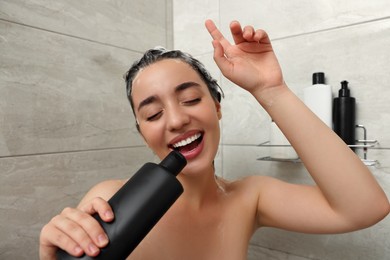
(174, 162)
(344, 90)
(318, 78)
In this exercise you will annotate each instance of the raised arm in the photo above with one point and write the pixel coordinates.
(346, 195)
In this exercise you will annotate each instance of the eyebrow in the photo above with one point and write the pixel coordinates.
(179, 88)
(185, 85)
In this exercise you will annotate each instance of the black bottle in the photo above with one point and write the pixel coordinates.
(344, 115)
(138, 206)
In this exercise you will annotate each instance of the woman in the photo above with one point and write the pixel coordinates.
(176, 106)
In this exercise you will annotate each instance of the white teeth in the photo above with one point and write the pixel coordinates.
(187, 141)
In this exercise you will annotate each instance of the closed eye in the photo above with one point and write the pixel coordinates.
(154, 117)
(192, 101)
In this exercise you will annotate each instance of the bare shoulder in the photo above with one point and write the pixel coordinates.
(244, 197)
(104, 190)
(250, 183)
(249, 188)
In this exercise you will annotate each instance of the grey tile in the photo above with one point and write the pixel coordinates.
(189, 30)
(59, 93)
(134, 25)
(256, 253)
(283, 19)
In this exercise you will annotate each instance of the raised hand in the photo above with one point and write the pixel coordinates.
(250, 62)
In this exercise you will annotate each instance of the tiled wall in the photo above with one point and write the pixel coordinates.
(348, 40)
(65, 123)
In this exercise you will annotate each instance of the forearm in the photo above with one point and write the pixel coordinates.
(346, 183)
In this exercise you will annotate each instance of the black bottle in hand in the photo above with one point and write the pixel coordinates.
(138, 206)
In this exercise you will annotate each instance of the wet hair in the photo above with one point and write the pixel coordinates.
(160, 53)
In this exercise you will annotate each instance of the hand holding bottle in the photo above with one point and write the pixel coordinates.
(138, 205)
(76, 231)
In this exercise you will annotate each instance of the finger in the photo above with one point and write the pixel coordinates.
(261, 36)
(248, 33)
(51, 239)
(100, 206)
(89, 224)
(216, 34)
(237, 33)
(220, 59)
(83, 229)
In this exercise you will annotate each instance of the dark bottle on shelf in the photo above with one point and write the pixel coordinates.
(344, 115)
(138, 206)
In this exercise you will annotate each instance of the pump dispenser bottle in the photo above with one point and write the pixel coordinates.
(344, 115)
(318, 98)
(138, 206)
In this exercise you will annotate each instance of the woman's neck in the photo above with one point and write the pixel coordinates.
(200, 189)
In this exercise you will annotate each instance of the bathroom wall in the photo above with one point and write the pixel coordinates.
(65, 123)
(348, 40)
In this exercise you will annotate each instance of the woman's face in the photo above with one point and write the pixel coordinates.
(175, 110)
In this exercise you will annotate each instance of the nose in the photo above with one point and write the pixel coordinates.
(177, 117)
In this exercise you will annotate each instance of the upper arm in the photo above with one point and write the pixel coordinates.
(300, 208)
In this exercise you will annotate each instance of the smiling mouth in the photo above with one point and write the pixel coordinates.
(188, 144)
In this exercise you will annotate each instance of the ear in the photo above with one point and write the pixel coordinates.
(218, 109)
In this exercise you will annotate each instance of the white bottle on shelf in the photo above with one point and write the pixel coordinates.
(318, 98)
